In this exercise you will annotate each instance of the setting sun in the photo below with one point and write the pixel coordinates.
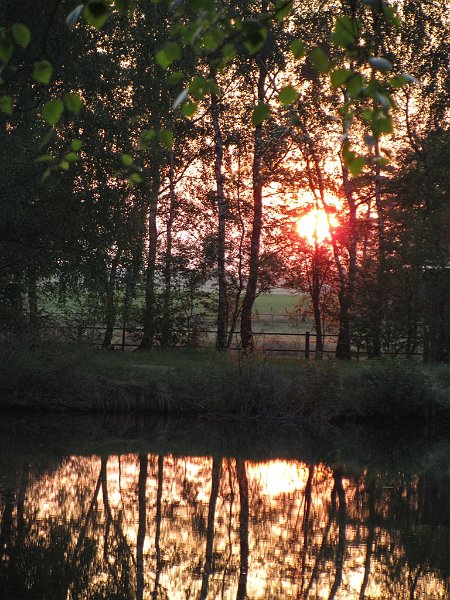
(315, 224)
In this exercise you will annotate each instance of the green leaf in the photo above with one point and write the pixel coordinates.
(44, 158)
(378, 63)
(319, 59)
(6, 105)
(385, 124)
(345, 32)
(282, 9)
(355, 85)
(213, 39)
(6, 49)
(46, 174)
(42, 71)
(21, 34)
(175, 78)
(398, 81)
(228, 52)
(199, 5)
(260, 114)
(122, 6)
(298, 48)
(199, 87)
(213, 87)
(135, 178)
(76, 145)
(339, 77)
(189, 109)
(356, 165)
(379, 122)
(127, 160)
(64, 164)
(96, 13)
(167, 55)
(45, 139)
(390, 14)
(145, 138)
(254, 35)
(52, 111)
(73, 103)
(287, 95)
(166, 138)
(71, 157)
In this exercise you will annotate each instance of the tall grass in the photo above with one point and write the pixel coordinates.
(58, 376)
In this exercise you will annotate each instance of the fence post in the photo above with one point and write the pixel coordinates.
(307, 344)
(123, 337)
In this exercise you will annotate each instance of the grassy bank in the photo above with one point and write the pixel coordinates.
(57, 377)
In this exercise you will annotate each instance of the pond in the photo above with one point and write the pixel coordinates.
(133, 509)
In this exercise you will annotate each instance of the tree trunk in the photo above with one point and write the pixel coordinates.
(110, 309)
(149, 320)
(346, 280)
(240, 280)
(343, 348)
(381, 279)
(250, 294)
(222, 310)
(316, 288)
(167, 304)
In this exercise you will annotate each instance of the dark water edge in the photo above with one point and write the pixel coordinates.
(381, 444)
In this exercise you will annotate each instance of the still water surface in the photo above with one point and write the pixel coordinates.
(92, 510)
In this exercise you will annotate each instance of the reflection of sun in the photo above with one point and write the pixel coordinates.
(278, 476)
(315, 224)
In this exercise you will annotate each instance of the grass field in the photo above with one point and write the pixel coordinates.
(278, 302)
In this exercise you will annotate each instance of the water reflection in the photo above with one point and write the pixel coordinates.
(164, 526)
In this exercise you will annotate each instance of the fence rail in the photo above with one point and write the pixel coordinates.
(300, 343)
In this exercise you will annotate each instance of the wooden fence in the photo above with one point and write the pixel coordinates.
(299, 343)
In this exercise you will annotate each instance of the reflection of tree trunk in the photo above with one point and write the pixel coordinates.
(142, 502)
(23, 483)
(107, 507)
(230, 526)
(414, 582)
(323, 546)
(6, 523)
(158, 525)
(87, 519)
(369, 544)
(305, 526)
(342, 517)
(215, 482)
(243, 528)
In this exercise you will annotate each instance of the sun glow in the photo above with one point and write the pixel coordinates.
(316, 225)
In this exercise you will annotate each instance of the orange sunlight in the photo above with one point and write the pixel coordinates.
(316, 225)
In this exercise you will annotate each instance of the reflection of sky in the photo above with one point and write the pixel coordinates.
(294, 544)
